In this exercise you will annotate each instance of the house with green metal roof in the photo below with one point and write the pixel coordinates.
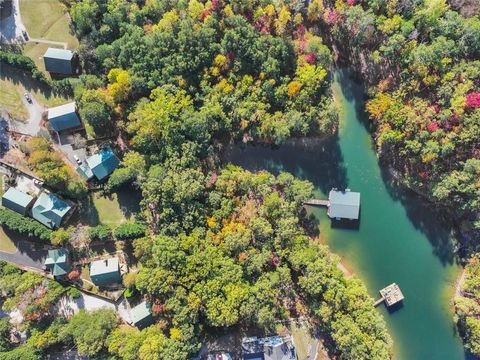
(60, 61)
(105, 272)
(64, 117)
(17, 201)
(50, 210)
(141, 315)
(103, 163)
(58, 263)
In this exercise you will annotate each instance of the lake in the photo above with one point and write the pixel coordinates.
(399, 238)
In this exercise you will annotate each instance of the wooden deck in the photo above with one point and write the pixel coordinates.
(315, 202)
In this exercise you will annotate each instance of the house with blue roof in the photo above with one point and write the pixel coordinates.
(85, 172)
(141, 315)
(103, 163)
(17, 201)
(60, 61)
(64, 117)
(58, 263)
(50, 210)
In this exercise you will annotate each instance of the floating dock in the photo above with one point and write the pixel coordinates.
(391, 295)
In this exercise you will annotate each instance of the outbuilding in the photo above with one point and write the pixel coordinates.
(343, 204)
(141, 315)
(17, 201)
(64, 117)
(105, 272)
(60, 61)
(58, 263)
(103, 163)
(50, 210)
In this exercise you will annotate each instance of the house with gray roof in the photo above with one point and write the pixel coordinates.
(141, 315)
(343, 204)
(60, 61)
(64, 117)
(103, 163)
(17, 201)
(58, 263)
(50, 210)
(268, 348)
(105, 272)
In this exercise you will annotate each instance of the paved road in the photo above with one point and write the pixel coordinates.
(28, 254)
(11, 27)
(32, 126)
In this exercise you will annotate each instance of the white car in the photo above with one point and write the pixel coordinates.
(77, 159)
(28, 97)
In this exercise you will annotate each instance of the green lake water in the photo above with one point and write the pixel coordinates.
(399, 237)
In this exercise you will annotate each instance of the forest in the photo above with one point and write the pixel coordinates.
(225, 248)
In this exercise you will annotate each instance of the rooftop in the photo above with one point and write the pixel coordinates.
(140, 312)
(61, 110)
(17, 197)
(61, 54)
(268, 348)
(103, 163)
(50, 210)
(57, 261)
(344, 204)
(104, 266)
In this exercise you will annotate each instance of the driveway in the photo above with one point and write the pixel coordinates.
(68, 306)
(32, 126)
(11, 27)
(28, 254)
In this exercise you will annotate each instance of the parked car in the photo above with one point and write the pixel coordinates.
(37, 182)
(28, 97)
(77, 159)
(25, 35)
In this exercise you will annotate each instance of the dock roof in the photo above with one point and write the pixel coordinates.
(344, 204)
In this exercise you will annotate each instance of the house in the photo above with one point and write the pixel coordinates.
(268, 348)
(57, 262)
(17, 201)
(141, 315)
(50, 210)
(343, 204)
(85, 172)
(60, 61)
(104, 272)
(64, 117)
(103, 163)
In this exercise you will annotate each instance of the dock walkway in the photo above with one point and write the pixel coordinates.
(315, 202)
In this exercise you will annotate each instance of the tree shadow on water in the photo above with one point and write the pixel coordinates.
(317, 160)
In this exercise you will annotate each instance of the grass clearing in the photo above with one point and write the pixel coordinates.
(11, 99)
(6, 244)
(19, 82)
(108, 208)
(49, 20)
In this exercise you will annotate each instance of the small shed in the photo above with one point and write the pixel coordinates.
(106, 271)
(343, 204)
(64, 117)
(50, 210)
(17, 201)
(141, 315)
(60, 61)
(57, 262)
(103, 163)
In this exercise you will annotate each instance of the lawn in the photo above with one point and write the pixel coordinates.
(11, 99)
(18, 82)
(6, 244)
(48, 19)
(110, 210)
